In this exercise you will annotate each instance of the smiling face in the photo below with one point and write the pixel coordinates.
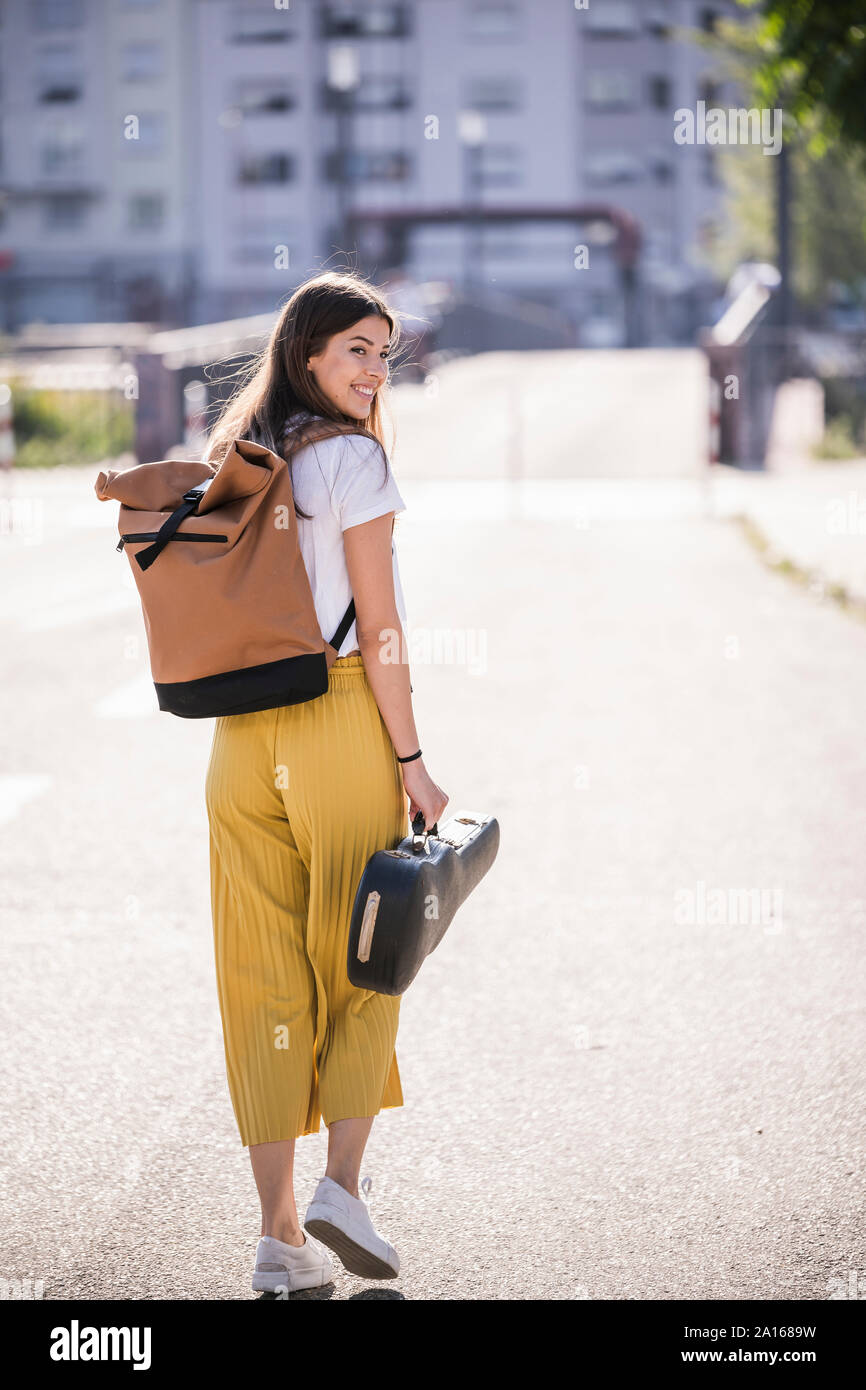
(353, 366)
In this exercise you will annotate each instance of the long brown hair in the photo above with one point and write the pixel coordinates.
(279, 384)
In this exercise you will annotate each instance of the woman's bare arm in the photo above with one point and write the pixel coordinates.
(380, 632)
(380, 641)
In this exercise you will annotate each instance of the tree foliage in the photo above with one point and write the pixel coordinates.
(828, 211)
(813, 63)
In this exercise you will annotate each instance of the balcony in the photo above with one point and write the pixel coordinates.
(374, 93)
(374, 21)
(359, 166)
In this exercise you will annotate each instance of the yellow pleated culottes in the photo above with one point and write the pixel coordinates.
(298, 799)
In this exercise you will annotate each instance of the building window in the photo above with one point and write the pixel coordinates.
(56, 14)
(266, 168)
(500, 166)
(150, 136)
(64, 212)
(373, 166)
(661, 165)
(369, 21)
(58, 74)
(613, 17)
(255, 242)
(142, 61)
(709, 91)
(613, 166)
(659, 92)
(489, 20)
(268, 25)
(378, 92)
(493, 93)
(146, 212)
(383, 92)
(611, 88)
(58, 91)
(62, 150)
(656, 17)
(269, 97)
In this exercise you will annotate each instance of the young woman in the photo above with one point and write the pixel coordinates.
(300, 797)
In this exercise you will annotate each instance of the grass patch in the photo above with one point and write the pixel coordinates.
(69, 427)
(810, 580)
(839, 441)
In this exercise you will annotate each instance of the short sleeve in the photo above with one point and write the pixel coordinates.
(362, 490)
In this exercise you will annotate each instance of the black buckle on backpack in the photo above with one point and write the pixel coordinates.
(191, 499)
(195, 494)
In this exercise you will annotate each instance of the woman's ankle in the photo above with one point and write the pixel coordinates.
(289, 1235)
(351, 1185)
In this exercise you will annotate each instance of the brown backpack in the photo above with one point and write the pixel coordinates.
(228, 609)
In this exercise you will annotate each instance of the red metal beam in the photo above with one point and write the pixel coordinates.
(626, 248)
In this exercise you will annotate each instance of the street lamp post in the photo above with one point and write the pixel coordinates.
(343, 80)
(472, 130)
(785, 298)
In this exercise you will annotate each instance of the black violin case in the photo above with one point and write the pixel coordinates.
(407, 898)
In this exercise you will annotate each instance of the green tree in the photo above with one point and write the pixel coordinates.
(828, 212)
(813, 56)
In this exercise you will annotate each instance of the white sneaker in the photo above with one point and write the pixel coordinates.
(342, 1222)
(289, 1267)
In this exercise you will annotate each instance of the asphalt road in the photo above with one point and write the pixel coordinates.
(619, 1084)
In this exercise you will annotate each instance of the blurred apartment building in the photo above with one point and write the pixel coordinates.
(189, 161)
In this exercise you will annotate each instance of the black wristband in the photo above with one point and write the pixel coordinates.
(410, 759)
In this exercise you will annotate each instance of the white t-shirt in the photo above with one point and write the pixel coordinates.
(339, 483)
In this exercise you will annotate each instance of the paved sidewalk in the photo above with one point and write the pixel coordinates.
(814, 518)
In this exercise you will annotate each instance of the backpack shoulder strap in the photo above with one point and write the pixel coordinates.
(345, 623)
